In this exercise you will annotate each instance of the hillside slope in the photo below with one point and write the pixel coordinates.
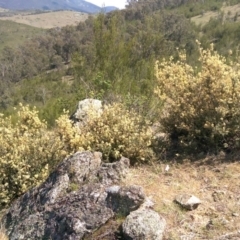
(13, 34)
(229, 13)
(49, 19)
(76, 5)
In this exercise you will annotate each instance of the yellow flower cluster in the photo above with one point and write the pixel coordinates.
(117, 132)
(200, 105)
(28, 150)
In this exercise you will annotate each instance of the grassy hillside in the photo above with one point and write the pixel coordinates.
(229, 12)
(48, 20)
(13, 34)
(18, 27)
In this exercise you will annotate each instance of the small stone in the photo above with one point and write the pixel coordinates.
(224, 221)
(209, 225)
(187, 201)
(235, 214)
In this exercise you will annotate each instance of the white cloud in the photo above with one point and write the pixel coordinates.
(117, 3)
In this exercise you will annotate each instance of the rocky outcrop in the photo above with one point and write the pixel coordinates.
(79, 197)
(123, 200)
(85, 108)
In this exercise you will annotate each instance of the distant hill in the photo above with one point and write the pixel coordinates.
(76, 5)
(14, 34)
(3, 10)
(110, 8)
(47, 19)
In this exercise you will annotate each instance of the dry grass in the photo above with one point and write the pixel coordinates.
(229, 13)
(49, 19)
(212, 179)
(3, 236)
(217, 185)
(204, 19)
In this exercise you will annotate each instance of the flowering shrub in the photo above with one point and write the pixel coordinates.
(117, 132)
(200, 108)
(27, 152)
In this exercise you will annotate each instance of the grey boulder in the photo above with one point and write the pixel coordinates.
(85, 108)
(143, 224)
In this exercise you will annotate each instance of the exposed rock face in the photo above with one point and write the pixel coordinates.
(125, 199)
(86, 107)
(80, 196)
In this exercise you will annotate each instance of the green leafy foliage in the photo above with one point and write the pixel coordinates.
(224, 35)
(108, 57)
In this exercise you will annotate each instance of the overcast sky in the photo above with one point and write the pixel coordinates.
(116, 3)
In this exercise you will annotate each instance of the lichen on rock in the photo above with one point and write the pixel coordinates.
(53, 211)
